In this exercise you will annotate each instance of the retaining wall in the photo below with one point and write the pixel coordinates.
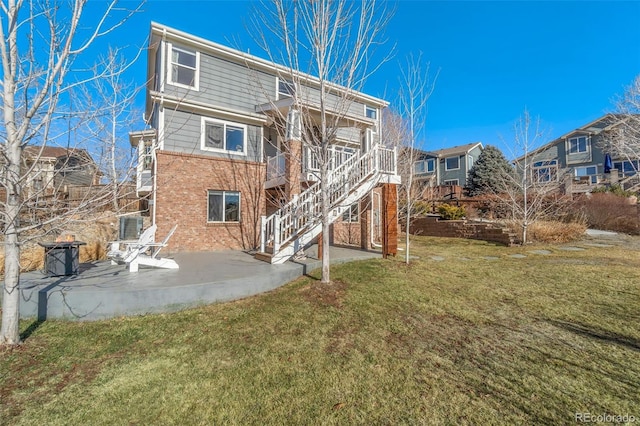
(435, 227)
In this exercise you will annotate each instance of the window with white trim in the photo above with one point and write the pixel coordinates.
(372, 113)
(424, 166)
(352, 214)
(578, 145)
(452, 182)
(452, 163)
(286, 89)
(183, 67)
(545, 171)
(587, 171)
(223, 206)
(223, 136)
(627, 168)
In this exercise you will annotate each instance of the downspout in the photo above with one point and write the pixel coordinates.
(160, 136)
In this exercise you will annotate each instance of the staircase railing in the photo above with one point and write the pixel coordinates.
(304, 210)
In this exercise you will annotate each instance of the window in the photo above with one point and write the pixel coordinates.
(223, 136)
(424, 166)
(545, 171)
(352, 214)
(223, 206)
(578, 145)
(589, 172)
(286, 89)
(452, 182)
(627, 168)
(183, 67)
(371, 112)
(452, 163)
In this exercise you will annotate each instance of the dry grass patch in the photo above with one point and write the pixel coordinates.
(544, 231)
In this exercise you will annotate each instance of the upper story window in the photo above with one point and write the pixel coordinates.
(183, 67)
(545, 171)
(286, 89)
(223, 136)
(424, 166)
(371, 112)
(452, 163)
(578, 145)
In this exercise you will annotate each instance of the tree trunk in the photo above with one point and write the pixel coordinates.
(10, 332)
(324, 190)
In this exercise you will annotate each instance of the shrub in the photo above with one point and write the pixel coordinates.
(615, 189)
(449, 212)
(556, 232)
(611, 212)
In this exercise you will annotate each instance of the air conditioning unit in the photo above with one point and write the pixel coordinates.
(130, 227)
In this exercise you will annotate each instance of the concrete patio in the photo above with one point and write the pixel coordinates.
(102, 290)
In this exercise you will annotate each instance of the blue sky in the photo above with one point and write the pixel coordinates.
(562, 60)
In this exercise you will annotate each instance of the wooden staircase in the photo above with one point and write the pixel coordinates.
(296, 224)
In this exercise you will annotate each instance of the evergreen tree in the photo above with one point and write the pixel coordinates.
(487, 176)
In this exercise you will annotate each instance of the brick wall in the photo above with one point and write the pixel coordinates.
(435, 227)
(183, 182)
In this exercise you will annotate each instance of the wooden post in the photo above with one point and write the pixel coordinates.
(293, 168)
(365, 222)
(389, 220)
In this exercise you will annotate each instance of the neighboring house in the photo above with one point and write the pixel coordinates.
(52, 170)
(227, 146)
(448, 166)
(576, 160)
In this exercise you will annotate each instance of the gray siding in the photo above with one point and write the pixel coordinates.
(183, 134)
(459, 174)
(228, 85)
(551, 153)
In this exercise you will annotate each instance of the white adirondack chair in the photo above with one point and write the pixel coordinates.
(135, 254)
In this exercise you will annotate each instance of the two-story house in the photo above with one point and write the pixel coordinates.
(583, 158)
(230, 154)
(49, 170)
(447, 167)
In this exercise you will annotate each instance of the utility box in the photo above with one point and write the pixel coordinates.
(130, 227)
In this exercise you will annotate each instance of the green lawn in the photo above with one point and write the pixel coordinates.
(463, 340)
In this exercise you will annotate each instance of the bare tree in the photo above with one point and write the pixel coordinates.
(416, 87)
(531, 191)
(335, 42)
(623, 137)
(111, 118)
(40, 41)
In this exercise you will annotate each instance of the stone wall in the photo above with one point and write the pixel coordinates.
(435, 227)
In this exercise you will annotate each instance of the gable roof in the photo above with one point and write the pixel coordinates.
(53, 152)
(595, 127)
(456, 150)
